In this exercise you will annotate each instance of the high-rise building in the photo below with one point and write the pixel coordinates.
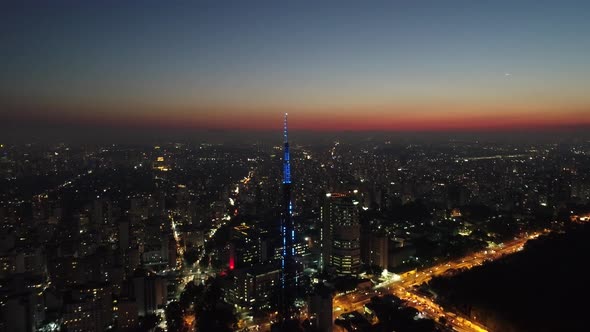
(378, 250)
(244, 247)
(149, 291)
(340, 237)
(88, 307)
(126, 314)
(21, 312)
(254, 287)
(288, 264)
(321, 308)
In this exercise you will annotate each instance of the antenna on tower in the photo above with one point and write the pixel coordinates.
(286, 157)
(285, 129)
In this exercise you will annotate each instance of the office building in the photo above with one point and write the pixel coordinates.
(340, 235)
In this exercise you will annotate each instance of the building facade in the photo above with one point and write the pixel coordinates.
(341, 244)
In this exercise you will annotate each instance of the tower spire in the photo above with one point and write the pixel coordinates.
(288, 268)
(286, 156)
(286, 137)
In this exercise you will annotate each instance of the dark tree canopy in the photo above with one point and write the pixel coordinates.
(533, 290)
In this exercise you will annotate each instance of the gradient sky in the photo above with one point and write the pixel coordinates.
(333, 65)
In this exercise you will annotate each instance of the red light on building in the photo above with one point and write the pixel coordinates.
(231, 258)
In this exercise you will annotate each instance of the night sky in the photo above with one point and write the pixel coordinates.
(333, 65)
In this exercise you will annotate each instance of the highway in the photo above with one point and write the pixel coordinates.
(403, 287)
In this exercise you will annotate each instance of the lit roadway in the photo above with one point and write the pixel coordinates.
(404, 287)
(187, 272)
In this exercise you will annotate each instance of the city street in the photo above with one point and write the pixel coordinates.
(404, 287)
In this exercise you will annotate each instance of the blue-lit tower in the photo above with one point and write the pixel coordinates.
(288, 265)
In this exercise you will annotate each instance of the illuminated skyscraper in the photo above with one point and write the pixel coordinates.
(288, 265)
(341, 248)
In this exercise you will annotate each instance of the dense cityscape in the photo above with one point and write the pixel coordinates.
(182, 237)
(294, 166)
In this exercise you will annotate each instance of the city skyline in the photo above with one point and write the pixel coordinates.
(456, 66)
(264, 166)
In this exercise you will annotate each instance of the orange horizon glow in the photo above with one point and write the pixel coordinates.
(353, 118)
